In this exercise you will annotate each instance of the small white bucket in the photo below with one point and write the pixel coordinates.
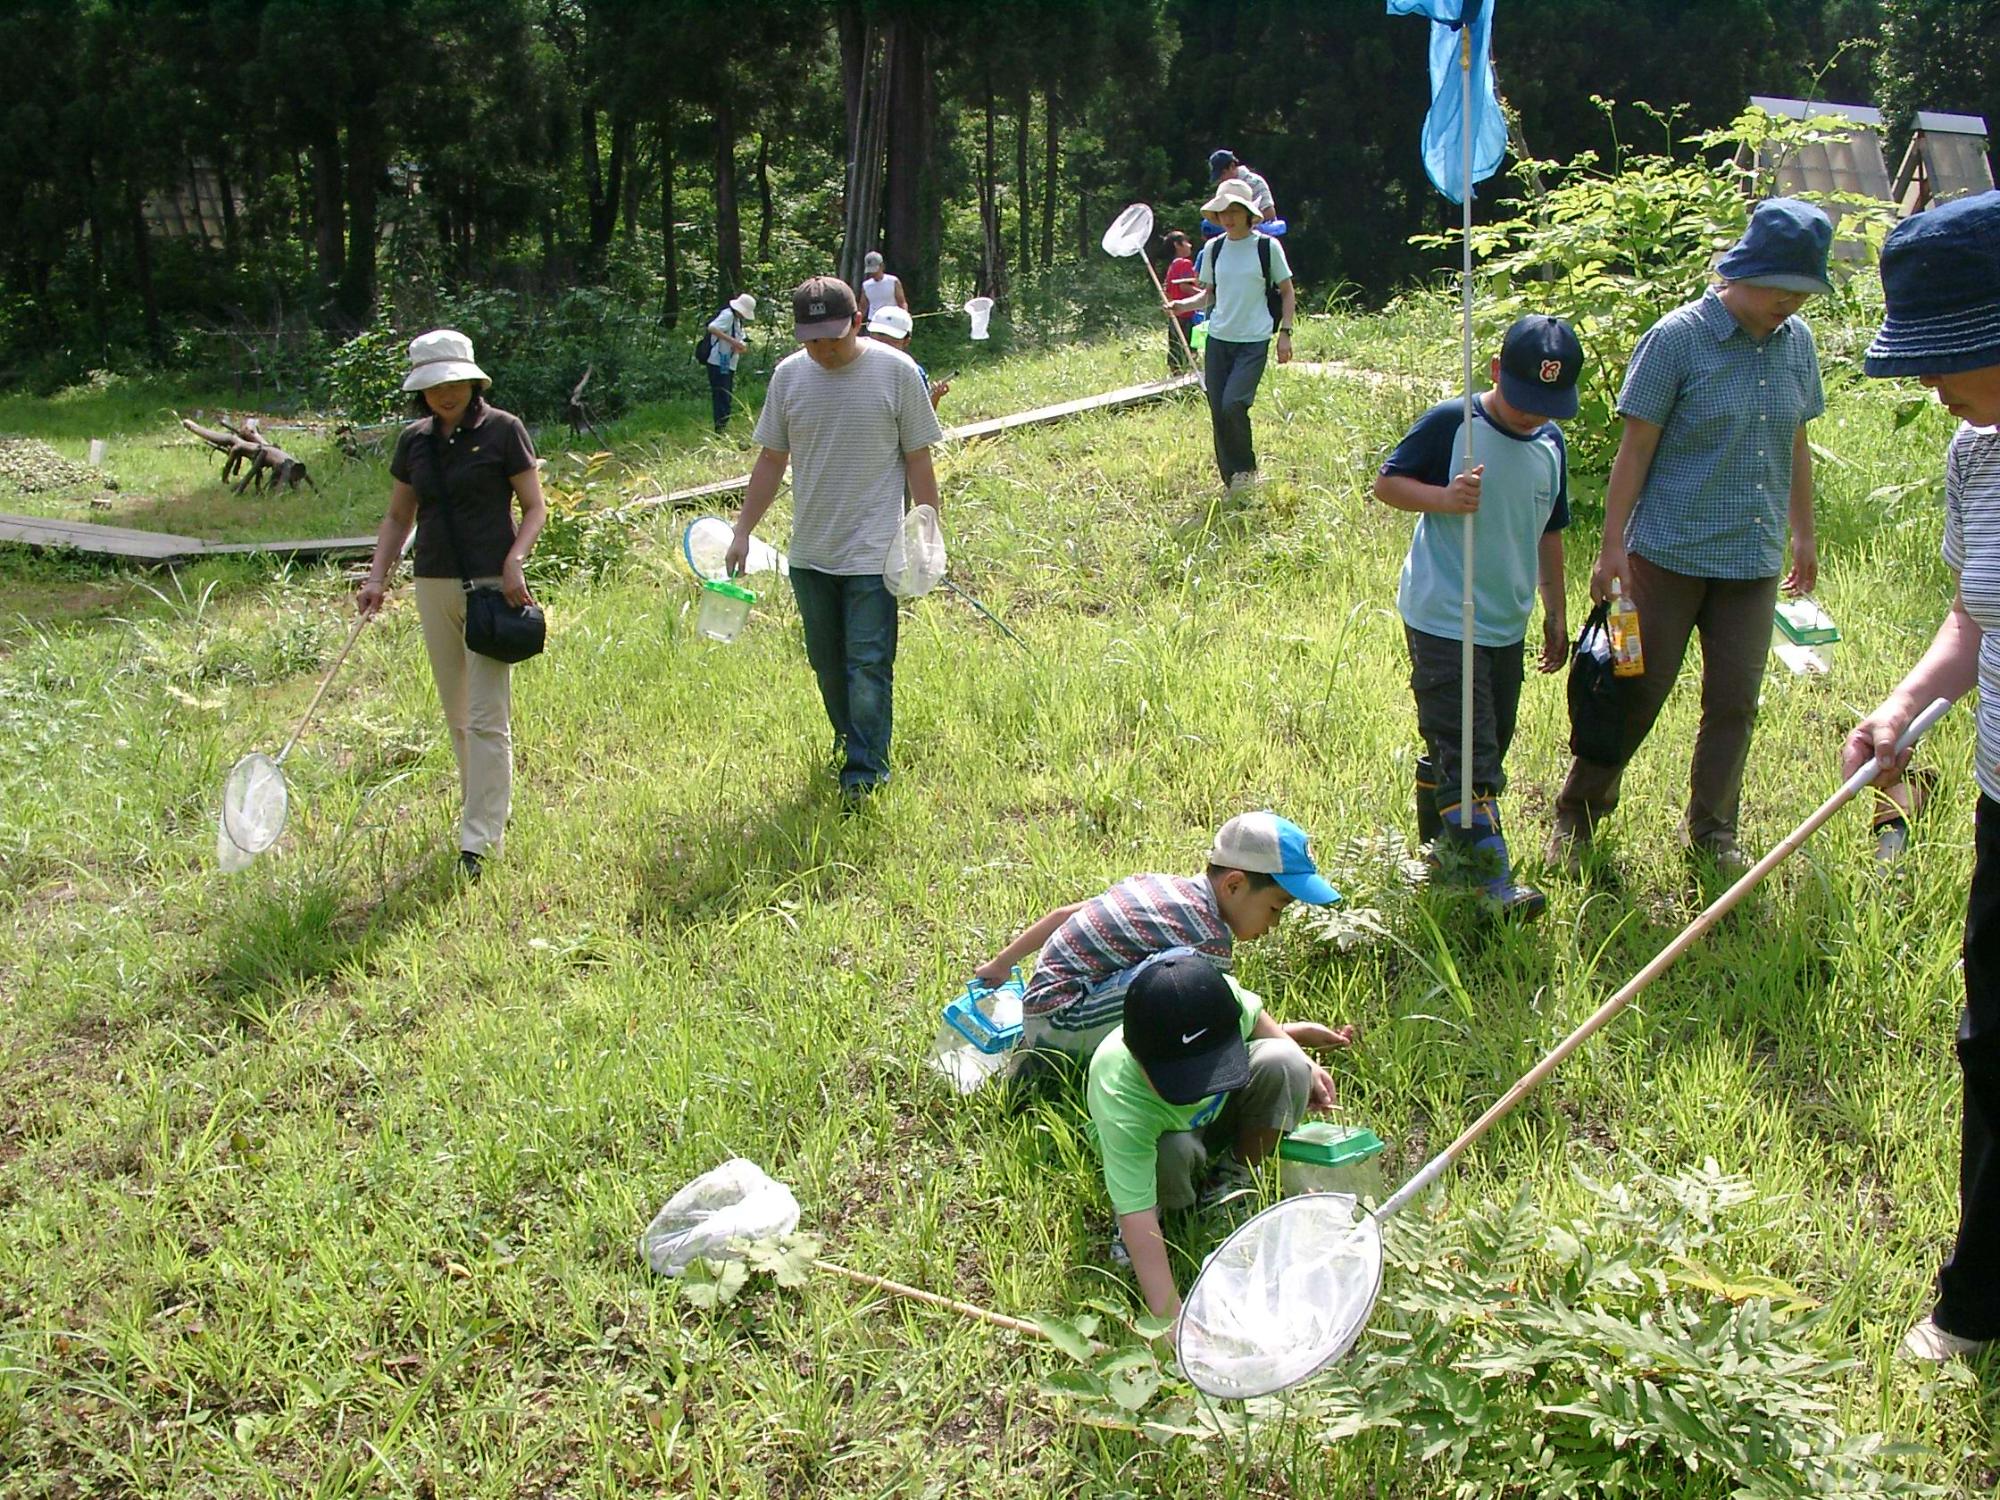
(97, 447)
(980, 310)
(725, 607)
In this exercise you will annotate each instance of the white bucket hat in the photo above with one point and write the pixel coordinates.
(744, 306)
(1233, 192)
(893, 321)
(439, 357)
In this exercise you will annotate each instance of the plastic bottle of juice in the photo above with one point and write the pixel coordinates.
(1628, 659)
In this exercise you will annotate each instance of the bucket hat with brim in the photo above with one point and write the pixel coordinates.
(1235, 193)
(744, 306)
(440, 357)
(1941, 287)
(1785, 246)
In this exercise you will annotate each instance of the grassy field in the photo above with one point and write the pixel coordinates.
(326, 1179)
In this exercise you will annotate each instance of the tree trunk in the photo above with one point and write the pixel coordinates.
(992, 251)
(638, 187)
(764, 197)
(1050, 161)
(367, 161)
(670, 266)
(94, 210)
(142, 270)
(606, 195)
(914, 210)
(1023, 118)
(593, 172)
(225, 190)
(867, 59)
(728, 224)
(323, 151)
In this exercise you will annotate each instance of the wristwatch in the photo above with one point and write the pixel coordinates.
(1286, 332)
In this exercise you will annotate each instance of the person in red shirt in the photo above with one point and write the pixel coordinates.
(1180, 282)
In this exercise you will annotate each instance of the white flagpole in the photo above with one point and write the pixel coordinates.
(1465, 606)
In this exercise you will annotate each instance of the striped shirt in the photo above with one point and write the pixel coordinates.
(1111, 934)
(847, 431)
(1972, 548)
(1715, 499)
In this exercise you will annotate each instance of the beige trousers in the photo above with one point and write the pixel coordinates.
(476, 694)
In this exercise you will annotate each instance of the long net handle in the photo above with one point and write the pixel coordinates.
(1179, 332)
(324, 683)
(1465, 667)
(932, 1299)
(1716, 910)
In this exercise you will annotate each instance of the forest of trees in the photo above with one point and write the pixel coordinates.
(336, 152)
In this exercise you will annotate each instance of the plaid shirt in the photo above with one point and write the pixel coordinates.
(1715, 498)
(1110, 934)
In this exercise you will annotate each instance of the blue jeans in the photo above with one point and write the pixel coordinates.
(721, 394)
(1230, 373)
(850, 626)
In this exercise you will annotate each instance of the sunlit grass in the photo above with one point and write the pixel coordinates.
(326, 1179)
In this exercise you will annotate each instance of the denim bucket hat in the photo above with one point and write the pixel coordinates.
(1941, 282)
(1784, 247)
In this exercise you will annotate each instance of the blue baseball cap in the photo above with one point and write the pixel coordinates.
(1220, 162)
(1267, 844)
(1941, 284)
(1785, 247)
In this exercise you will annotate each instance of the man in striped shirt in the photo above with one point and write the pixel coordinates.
(1258, 866)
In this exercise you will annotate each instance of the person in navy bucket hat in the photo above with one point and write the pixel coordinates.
(1785, 246)
(1710, 497)
(1941, 324)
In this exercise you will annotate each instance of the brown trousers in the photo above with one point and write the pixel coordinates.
(1734, 618)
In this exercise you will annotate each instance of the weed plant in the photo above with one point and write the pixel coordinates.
(326, 1179)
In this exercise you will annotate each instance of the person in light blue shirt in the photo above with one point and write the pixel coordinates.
(1514, 481)
(726, 342)
(1242, 274)
(1713, 468)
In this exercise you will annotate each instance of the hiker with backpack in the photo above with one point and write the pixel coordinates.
(721, 345)
(1246, 283)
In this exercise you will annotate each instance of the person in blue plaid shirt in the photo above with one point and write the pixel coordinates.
(1712, 470)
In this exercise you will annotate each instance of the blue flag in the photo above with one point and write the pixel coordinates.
(1445, 125)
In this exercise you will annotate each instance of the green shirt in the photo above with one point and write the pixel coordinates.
(1128, 1117)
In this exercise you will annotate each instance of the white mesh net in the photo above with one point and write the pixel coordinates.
(705, 545)
(254, 803)
(1129, 231)
(1282, 1298)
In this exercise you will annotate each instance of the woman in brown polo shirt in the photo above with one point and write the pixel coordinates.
(457, 473)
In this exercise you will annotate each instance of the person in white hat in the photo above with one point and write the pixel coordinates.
(893, 326)
(879, 289)
(727, 339)
(457, 474)
(1247, 282)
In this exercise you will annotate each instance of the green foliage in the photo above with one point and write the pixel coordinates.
(715, 1284)
(1613, 251)
(1513, 1349)
(364, 376)
(587, 533)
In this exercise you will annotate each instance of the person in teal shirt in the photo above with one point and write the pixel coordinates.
(1198, 1068)
(1514, 481)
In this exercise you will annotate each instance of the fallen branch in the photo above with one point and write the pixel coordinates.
(245, 446)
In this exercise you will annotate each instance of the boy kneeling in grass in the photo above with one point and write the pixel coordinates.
(1519, 489)
(1197, 1071)
(1090, 950)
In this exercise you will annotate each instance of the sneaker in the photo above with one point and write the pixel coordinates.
(1566, 850)
(1728, 861)
(1926, 1343)
(469, 865)
(1120, 1256)
(1228, 1181)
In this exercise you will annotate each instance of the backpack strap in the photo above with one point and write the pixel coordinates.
(1264, 255)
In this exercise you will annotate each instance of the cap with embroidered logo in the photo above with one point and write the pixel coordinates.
(822, 308)
(1266, 844)
(1184, 1026)
(1540, 361)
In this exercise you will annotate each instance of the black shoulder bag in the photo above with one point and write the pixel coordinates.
(493, 627)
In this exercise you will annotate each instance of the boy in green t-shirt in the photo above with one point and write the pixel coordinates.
(1198, 1067)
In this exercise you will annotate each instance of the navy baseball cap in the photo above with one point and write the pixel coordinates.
(1184, 1026)
(1220, 162)
(1785, 247)
(1941, 287)
(1540, 361)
